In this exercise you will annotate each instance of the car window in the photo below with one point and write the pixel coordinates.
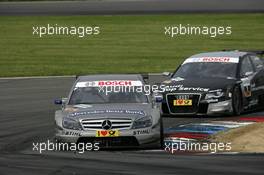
(246, 67)
(258, 64)
(206, 69)
(91, 95)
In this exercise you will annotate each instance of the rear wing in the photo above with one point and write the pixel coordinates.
(145, 76)
(257, 52)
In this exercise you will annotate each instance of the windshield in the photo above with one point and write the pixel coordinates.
(92, 95)
(206, 70)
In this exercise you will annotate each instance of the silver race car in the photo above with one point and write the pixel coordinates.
(111, 110)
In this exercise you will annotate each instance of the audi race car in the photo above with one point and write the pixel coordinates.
(226, 82)
(106, 109)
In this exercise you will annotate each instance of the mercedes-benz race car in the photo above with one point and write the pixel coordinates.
(226, 82)
(108, 110)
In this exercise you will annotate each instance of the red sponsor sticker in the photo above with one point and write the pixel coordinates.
(109, 83)
(115, 83)
(216, 59)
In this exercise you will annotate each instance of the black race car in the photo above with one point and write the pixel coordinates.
(226, 82)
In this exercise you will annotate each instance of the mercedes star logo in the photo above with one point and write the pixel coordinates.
(106, 124)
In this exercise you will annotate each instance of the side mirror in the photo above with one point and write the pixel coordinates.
(158, 98)
(167, 74)
(60, 101)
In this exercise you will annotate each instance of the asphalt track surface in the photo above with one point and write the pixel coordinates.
(27, 116)
(111, 7)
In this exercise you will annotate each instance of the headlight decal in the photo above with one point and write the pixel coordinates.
(69, 123)
(143, 122)
(215, 94)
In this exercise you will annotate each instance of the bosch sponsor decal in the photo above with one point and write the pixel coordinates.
(180, 87)
(212, 60)
(133, 112)
(140, 132)
(109, 83)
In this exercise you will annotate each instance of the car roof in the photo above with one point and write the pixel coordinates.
(136, 77)
(235, 54)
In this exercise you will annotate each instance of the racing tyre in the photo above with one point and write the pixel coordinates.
(237, 101)
(161, 134)
(261, 102)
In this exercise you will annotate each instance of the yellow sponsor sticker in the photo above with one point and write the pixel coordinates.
(182, 102)
(107, 133)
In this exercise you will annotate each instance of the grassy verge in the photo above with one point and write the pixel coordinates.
(247, 139)
(126, 43)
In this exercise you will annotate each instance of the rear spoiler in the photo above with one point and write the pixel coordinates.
(257, 52)
(145, 76)
(260, 53)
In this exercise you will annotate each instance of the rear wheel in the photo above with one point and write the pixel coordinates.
(237, 101)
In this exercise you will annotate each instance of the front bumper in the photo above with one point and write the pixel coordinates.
(223, 107)
(145, 137)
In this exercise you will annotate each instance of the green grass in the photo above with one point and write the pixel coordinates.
(126, 44)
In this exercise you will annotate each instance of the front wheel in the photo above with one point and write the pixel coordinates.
(261, 101)
(237, 101)
(161, 134)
